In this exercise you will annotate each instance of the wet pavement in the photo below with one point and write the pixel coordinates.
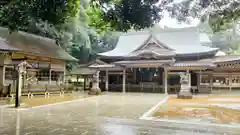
(2, 102)
(111, 114)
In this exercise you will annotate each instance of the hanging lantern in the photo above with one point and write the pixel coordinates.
(155, 74)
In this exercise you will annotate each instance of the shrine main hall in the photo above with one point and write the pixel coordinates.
(152, 60)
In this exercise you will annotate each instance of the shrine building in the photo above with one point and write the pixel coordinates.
(47, 59)
(150, 61)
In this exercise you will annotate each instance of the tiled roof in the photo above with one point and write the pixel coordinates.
(228, 58)
(33, 44)
(194, 64)
(82, 71)
(182, 41)
(4, 46)
(143, 63)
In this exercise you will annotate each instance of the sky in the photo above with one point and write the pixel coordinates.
(170, 22)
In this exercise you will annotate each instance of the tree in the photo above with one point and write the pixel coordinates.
(18, 14)
(123, 15)
(220, 13)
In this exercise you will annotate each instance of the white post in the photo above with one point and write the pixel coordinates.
(106, 81)
(166, 81)
(124, 81)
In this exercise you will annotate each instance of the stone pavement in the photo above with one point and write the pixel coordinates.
(111, 114)
(2, 102)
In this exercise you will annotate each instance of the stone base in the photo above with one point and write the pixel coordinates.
(185, 95)
(94, 91)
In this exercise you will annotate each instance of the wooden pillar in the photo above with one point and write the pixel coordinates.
(135, 75)
(2, 75)
(106, 80)
(230, 82)
(50, 76)
(77, 83)
(211, 82)
(2, 69)
(64, 74)
(165, 81)
(198, 81)
(124, 81)
(84, 83)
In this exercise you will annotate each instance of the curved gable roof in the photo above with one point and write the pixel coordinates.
(33, 44)
(181, 40)
(127, 44)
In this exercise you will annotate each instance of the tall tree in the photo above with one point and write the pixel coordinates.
(220, 13)
(18, 14)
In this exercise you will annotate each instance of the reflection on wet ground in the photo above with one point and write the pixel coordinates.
(112, 114)
(42, 100)
(211, 109)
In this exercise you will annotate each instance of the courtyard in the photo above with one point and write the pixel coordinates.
(204, 109)
(109, 114)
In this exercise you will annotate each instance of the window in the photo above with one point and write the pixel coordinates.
(43, 75)
(8, 73)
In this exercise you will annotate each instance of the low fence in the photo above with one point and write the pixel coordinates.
(148, 88)
(156, 88)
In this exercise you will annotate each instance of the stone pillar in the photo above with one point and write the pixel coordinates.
(106, 80)
(95, 90)
(165, 81)
(124, 81)
(185, 86)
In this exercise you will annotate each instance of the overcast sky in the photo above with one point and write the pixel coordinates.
(169, 22)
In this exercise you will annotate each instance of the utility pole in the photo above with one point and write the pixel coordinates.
(15, 86)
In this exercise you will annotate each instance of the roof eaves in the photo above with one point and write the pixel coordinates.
(199, 53)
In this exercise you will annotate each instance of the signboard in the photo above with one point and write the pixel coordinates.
(37, 64)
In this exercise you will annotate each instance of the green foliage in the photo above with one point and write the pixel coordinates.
(220, 14)
(96, 20)
(122, 15)
(19, 13)
(16, 14)
(55, 11)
